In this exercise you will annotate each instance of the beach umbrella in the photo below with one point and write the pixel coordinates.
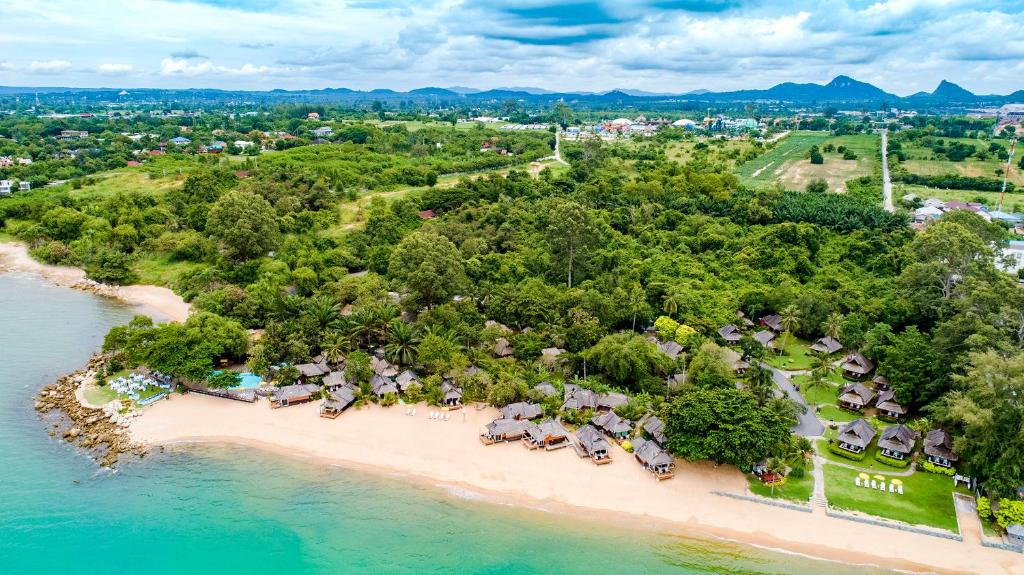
(865, 476)
(897, 482)
(880, 477)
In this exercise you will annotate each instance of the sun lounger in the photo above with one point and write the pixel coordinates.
(892, 488)
(899, 489)
(874, 485)
(856, 480)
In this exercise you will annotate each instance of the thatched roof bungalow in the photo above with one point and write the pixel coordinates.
(653, 458)
(855, 436)
(897, 441)
(548, 434)
(938, 448)
(594, 444)
(292, 394)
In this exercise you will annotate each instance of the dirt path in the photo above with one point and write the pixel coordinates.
(886, 182)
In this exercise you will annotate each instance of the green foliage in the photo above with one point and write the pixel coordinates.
(930, 467)
(429, 267)
(224, 379)
(709, 368)
(245, 225)
(891, 461)
(846, 454)
(984, 506)
(627, 359)
(1010, 511)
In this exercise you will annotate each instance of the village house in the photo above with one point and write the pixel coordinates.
(856, 366)
(548, 434)
(452, 394)
(855, 396)
(855, 436)
(578, 398)
(888, 406)
(521, 410)
(292, 394)
(5, 187)
(773, 322)
(938, 448)
(731, 334)
(181, 141)
(766, 338)
(826, 346)
(594, 444)
(323, 132)
(337, 401)
(897, 442)
(655, 428)
(654, 458)
(613, 425)
(501, 430)
(69, 135)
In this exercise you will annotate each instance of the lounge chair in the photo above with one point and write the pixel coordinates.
(899, 489)
(874, 484)
(856, 481)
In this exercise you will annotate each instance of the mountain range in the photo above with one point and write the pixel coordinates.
(841, 90)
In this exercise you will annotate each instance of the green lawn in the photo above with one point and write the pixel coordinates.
(835, 170)
(834, 413)
(794, 489)
(797, 355)
(161, 271)
(820, 395)
(927, 498)
(765, 170)
(98, 395)
(868, 464)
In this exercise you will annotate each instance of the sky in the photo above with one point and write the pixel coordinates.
(672, 46)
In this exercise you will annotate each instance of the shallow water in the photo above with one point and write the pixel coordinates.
(226, 509)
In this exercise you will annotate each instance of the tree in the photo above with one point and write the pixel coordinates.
(724, 425)
(914, 368)
(789, 319)
(429, 267)
(637, 302)
(945, 254)
(571, 231)
(627, 358)
(709, 367)
(833, 326)
(670, 302)
(815, 155)
(402, 340)
(245, 225)
(761, 383)
(818, 186)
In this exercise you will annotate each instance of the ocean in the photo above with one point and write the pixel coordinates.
(231, 509)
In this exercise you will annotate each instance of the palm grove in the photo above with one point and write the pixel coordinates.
(584, 260)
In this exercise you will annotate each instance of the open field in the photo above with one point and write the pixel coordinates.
(923, 161)
(727, 152)
(796, 356)
(836, 171)
(128, 180)
(1011, 202)
(927, 498)
(765, 170)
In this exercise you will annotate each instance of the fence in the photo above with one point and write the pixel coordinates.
(765, 501)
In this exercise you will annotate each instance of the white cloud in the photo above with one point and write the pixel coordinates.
(191, 67)
(114, 68)
(4, 66)
(49, 66)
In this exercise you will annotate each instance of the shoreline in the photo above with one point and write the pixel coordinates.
(160, 303)
(449, 455)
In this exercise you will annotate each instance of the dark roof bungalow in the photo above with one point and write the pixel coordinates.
(406, 379)
(503, 429)
(731, 334)
(888, 406)
(548, 434)
(880, 382)
(334, 380)
(765, 337)
(521, 410)
(653, 458)
(855, 365)
(594, 444)
(826, 346)
(656, 428)
(613, 425)
(452, 394)
(611, 400)
(502, 348)
(740, 366)
(292, 394)
(855, 436)
(337, 401)
(855, 396)
(312, 369)
(897, 441)
(671, 349)
(383, 386)
(938, 448)
(773, 322)
(577, 397)
(546, 388)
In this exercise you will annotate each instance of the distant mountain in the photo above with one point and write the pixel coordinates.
(438, 92)
(952, 92)
(464, 90)
(527, 89)
(642, 93)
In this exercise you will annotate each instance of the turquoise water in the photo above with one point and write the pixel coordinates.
(207, 509)
(246, 380)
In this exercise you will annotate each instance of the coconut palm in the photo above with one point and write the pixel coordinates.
(833, 326)
(333, 350)
(789, 319)
(761, 383)
(637, 302)
(402, 340)
(324, 312)
(670, 302)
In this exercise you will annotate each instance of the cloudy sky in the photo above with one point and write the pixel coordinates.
(658, 45)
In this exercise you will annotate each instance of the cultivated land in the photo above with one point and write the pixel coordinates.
(835, 171)
(921, 160)
(765, 170)
(728, 152)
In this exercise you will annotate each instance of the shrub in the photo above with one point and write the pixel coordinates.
(846, 454)
(985, 508)
(628, 446)
(891, 461)
(932, 468)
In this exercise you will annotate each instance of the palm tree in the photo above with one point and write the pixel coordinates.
(670, 302)
(402, 340)
(789, 319)
(761, 383)
(637, 302)
(362, 322)
(324, 312)
(333, 350)
(833, 326)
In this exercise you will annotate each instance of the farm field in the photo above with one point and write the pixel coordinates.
(921, 160)
(836, 171)
(727, 152)
(765, 170)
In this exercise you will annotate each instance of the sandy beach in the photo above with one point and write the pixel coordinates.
(159, 302)
(450, 453)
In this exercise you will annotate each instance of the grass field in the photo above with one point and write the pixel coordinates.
(726, 152)
(921, 160)
(794, 489)
(797, 355)
(161, 271)
(819, 394)
(836, 171)
(765, 170)
(927, 498)
(833, 413)
(128, 180)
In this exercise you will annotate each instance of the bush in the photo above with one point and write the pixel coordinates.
(846, 454)
(891, 461)
(932, 468)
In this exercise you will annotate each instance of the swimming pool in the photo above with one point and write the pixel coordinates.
(246, 380)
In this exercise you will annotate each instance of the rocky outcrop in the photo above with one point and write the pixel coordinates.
(102, 433)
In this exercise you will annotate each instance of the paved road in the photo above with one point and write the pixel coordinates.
(809, 424)
(886, 182)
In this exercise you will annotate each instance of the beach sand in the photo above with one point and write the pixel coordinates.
(159, 302)
(450, 453)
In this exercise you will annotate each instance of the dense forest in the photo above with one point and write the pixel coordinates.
(587, 260)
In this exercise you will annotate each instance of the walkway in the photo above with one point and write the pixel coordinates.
(558, 150)
(967, 517)
(819, 504)
(886, 182)
(808, 425)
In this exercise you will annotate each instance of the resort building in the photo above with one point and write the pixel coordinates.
(611, 400)
(613, 425)
(545, 389)
(880, 382)
(670, 348)
(307, 370)
(888, 407)
(766, 338)
(521, 410)
(653, 458)
(548, 434)
(655, 428)
(504, 429)
(855, 436)
(502, 348)
(855, 396)
(731, 334)
(856, 366)
(293, 394)
(383, 386)
(551, 354)
(335, 380)
(407, 379)
(897, 442)
(337, 401)
(938, 448)
(773, 322)
(452, 394)
(740, 366)
(826, 346)
(383, 367)
(593, 444)
(578, 398)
